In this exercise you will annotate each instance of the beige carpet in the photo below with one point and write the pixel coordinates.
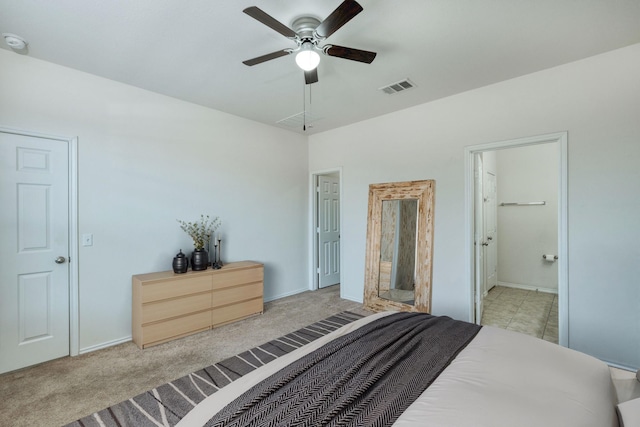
(61, 391)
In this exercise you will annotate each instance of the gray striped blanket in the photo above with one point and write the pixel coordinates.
(366, 378)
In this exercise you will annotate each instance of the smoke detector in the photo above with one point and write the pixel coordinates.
(14, 42)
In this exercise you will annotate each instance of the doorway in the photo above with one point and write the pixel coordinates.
(481, 236)
(325, 230)
(38, 280)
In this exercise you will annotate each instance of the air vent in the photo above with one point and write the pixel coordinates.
(398, 87)
(298, 120)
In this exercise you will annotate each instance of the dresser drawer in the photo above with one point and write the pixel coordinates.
(226, 296)
(160, 310)
(181, 326)
(222, 315)
(239, 277)
(155, 291)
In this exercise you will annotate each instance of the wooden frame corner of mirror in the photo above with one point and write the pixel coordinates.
(399, 253)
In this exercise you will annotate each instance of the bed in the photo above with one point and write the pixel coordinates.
(391, 369)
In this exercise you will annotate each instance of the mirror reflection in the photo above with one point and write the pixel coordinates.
(397, 276)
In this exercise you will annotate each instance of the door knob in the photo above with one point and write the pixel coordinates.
(60, 260)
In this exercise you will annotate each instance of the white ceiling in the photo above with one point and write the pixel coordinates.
(193, 50)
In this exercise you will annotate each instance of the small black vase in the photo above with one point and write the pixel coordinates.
(199, 260)
(180, 263)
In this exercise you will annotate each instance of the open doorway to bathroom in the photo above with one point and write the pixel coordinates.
(518, 217)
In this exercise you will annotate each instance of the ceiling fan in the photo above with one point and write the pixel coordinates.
(307, 33)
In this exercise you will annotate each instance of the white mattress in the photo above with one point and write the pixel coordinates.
(501, 378)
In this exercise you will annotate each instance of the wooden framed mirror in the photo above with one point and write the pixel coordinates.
(400, 246)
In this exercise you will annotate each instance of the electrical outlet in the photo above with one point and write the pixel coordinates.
(87, 240)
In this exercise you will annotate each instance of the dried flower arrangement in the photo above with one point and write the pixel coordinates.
(200, 231)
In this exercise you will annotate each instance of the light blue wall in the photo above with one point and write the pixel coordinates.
(145, 160)
(597, 101)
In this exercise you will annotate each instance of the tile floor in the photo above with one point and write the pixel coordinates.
(529, 312)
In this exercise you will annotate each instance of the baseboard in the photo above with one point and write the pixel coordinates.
(286, 294)
(105, 345)
(619, 366)
(352, 298)
(527, 287)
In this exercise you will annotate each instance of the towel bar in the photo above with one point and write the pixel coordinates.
(523, 203)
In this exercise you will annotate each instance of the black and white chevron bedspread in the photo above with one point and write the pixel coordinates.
(366, 378)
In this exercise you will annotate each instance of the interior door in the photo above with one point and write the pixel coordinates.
(479, 237)
(490, 220)
(328, 231)
(34, 250)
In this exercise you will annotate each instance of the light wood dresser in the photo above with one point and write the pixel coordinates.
(167, 306)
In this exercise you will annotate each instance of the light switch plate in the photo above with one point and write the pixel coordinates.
(87, 240)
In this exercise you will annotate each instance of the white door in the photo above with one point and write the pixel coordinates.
(479, 237)
(328, 231)
(34, 250)
(490, 220)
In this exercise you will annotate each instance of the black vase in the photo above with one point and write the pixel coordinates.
(199, 260)
(180, 263)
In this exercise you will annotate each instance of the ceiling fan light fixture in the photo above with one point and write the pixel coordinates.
(308, 32)
(307, 59)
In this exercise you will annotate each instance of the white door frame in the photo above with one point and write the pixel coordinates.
(313, 219)
(72, 146)
(478, 223)
(561, 139)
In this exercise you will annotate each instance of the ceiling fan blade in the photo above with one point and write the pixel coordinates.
(311, 77)
(343, 14)
(268, 20)
(267, 57)
(349, 53)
